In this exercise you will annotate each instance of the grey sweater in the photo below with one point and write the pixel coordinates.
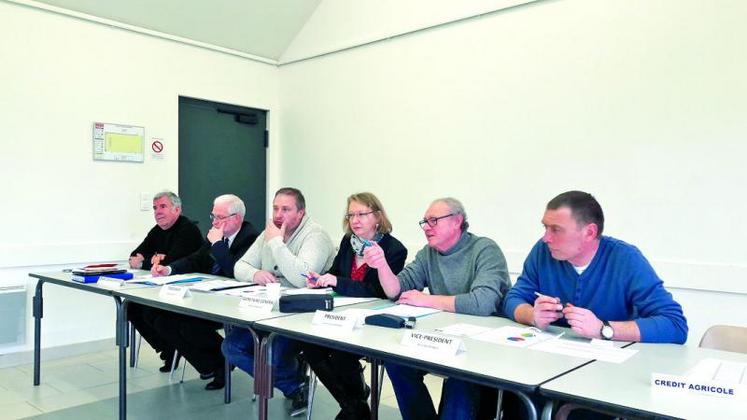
(309, 248)
(474, 270)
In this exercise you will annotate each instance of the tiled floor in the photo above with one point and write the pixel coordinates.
(85, 387)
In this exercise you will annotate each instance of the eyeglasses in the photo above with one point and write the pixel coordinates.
(220, 218)
(359, 215)
(433, 221)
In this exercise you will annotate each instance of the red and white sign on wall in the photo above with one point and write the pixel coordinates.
(157, 149)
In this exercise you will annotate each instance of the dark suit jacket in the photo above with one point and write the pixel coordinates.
(202, 260)
(176, 242)
(395, 254)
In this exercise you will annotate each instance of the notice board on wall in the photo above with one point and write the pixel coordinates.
(118, 142)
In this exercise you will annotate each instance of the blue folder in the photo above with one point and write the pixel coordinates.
(94, 279)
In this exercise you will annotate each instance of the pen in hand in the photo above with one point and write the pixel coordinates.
(538, 294)
(310, 278)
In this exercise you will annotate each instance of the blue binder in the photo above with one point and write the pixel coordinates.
(94, 279)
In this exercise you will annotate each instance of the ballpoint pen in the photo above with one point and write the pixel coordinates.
(310, 278)
(538, 294)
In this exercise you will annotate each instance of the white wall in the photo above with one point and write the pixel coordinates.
(641, 103)
(59, 75)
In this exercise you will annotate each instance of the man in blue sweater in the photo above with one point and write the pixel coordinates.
(600, 287)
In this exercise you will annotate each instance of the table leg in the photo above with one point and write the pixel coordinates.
(227, 381)
(227, 370)
(38, 309)
(263, 373)
(134, 350)
(122, 339)
(258, 365)
(375, 364)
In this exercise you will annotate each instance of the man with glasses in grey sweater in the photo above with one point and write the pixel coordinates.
(465, 274)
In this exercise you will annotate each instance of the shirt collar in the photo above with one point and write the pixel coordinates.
(231, 238)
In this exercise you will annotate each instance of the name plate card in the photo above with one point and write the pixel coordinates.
(715, 377)
(174, 292)
(687, 385)
(434, 344)
(340, 320)
(257, 303)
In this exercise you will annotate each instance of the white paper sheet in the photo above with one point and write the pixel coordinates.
(585, 350)
(514, 336)
(344, 300)
(731, 372)
(719, 370)
(247, 291)
(463, 330)
(160, 281)
(406, 311)
(210, 285)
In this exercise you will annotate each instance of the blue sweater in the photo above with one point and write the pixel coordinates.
(618, 285)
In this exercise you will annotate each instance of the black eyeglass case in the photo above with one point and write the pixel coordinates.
(306, 303)
(390, 321)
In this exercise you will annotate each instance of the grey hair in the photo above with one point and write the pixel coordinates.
(175, 200)
(235, 204)
(455, 207)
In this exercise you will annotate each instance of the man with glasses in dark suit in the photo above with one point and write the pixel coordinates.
(228, 240)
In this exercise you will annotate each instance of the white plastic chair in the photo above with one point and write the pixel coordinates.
(725, 337)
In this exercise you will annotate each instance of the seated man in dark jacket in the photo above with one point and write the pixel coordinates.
(196, 339)
(173, 237)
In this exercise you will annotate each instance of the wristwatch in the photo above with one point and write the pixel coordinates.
(607, 332)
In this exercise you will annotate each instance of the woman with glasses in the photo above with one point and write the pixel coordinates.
(366, 225)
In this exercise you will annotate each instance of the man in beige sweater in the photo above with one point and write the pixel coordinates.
(290, 244)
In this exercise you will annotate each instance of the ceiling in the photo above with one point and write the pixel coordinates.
(262, 28)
